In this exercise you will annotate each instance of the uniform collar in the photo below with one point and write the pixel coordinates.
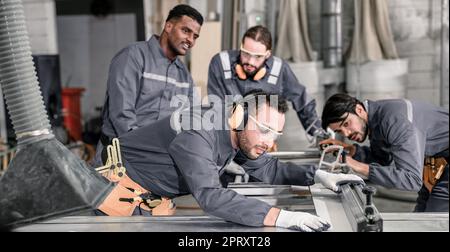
(366, 105)
(225, 142)
(158, 52)
(371, 109)
(269, 63)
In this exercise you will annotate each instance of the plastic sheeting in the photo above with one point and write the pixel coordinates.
(293, 37)
(373, 40)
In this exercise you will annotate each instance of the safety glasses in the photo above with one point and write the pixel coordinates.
(265, 130)
(257, 56)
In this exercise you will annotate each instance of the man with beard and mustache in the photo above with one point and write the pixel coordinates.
(170, 159)
(408, 145)
(237, 72)
(145, 76)
(253, 67)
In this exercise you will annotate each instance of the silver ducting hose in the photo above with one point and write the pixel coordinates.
(18, 77)
(44, 179)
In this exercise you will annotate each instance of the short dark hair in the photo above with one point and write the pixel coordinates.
(256, 96)
(185, 10)
(336, 107)
(260, 34)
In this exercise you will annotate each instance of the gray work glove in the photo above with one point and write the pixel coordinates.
(301, 221)
(235, 169)
(334, 180)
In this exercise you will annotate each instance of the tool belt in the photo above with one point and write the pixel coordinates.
(432, 171)
(128, 195)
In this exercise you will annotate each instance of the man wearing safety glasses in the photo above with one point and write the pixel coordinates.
(238, 72)
(170, 159)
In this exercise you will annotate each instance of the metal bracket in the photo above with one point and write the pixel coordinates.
(113, 168)
(336, 166)
(322, 134)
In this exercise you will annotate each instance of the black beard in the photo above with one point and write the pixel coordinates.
(365, 129)
(174, 49)
(242, 141)
(252, 74)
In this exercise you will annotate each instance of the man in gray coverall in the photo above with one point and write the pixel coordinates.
(170, 159)
(253, 67)
(145, 76)
(402, 135)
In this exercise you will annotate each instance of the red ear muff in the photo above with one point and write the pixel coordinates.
(243, 76)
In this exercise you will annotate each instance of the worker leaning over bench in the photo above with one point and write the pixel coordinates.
(170, 158)
(145, 77)
(408, 145)
(237, 72)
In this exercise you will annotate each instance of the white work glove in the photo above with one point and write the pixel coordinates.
(237, 170)
(301, 221)
(334, 180)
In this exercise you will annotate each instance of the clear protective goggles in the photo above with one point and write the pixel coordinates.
(257, 56)
(265, 130)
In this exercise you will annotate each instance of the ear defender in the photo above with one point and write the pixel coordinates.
(239, 117)
(260, 74)
(243, 76)
(240, 72)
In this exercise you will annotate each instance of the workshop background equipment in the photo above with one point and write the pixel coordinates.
(71, 100)
(44, 179)
(190, 218)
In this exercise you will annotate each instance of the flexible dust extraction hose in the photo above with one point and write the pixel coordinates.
(44, 179)
(18, 77)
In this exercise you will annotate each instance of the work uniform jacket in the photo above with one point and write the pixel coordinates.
(279, 79)
(401, 134)
(171, 163)
(141, 85)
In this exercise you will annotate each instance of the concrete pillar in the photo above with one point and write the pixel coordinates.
(40, 16)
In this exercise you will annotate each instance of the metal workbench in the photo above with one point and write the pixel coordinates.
(190, 218)
(325, 204)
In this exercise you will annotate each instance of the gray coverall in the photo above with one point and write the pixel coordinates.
(170, 164)
(142, 81)
(402, 133)
(141, 85)
(279, 79)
